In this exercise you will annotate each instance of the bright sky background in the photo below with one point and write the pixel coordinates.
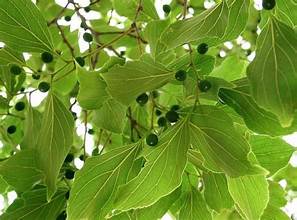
(37, 96)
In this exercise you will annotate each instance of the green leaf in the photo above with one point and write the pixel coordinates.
(162, 172)
(223, 22)
(127, 82)
(20, 170)
(272, 153)
(256, 118)
(273, 73)
(95, 185)
(7, 56)
(4, 103)
(276, 201)
(286, 11)
(19, 31)
(111, 116)
(34, 205)
(194, 207)
(209, 24)
(92, 92)
(152, 33)
(251, 195)
(231, 68)
(216, 192)
(213, 133)
(55, 140)
(159, 209)
(32, 128)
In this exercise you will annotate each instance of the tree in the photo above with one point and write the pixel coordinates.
(183, 110)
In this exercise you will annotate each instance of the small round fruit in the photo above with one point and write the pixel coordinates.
(67, 18)
(88, 37)
(22, 89)
(204, 85)
(162, 122)
(62, 216)
(166, 9)
(69, 174)
(15, 69)
(84, 25)
(82, 157)
(69, 158)
(91, 131)
(87, 9)
(36, 76)
(202, 48)
(152, 140)
(181, 75)
(44, 86)
(268, 4)
(19, 106)
(158, 112)
(172, 116)
(47, 57)
(175, 108)
(142, 99)
(11, 129)
(80, 61)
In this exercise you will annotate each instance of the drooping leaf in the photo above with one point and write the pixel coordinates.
(213, 133)
(127, 82)
(95, 185)
(272, 153)
(273, 74)
(250, 194)
(34, 205)
(32, 128)
(256, 118)
(216, 192)
(20, 170)
(92, 92)
(55, 142)
(21, 32)
(7, 56)
(161, 173)
(194, 207)
(111, 116)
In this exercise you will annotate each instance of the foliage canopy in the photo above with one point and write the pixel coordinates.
(180, 110)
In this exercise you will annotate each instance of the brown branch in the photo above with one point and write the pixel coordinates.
(65, 40)
(54, 20)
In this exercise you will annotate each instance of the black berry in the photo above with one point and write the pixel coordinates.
(84, 25)
(204, 85)
(15, 69)
(152, 140)
(87, 9)
(22, 89)
(202, 48)
(11, 129)
(91, 131)
(62, 216)
(268, 4)
(47, 57)
(69, 174)
(82, 157)
(142, 99)
(67, 18)
(88, 37)
(69, 158)
(166, 9)
(74, 115)
(158, 112)
(36, 76)
(172, 116)
(19, 106)
(44, 86)
(162, 122)
(175, 108)
(80, 61)
(181, 75)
